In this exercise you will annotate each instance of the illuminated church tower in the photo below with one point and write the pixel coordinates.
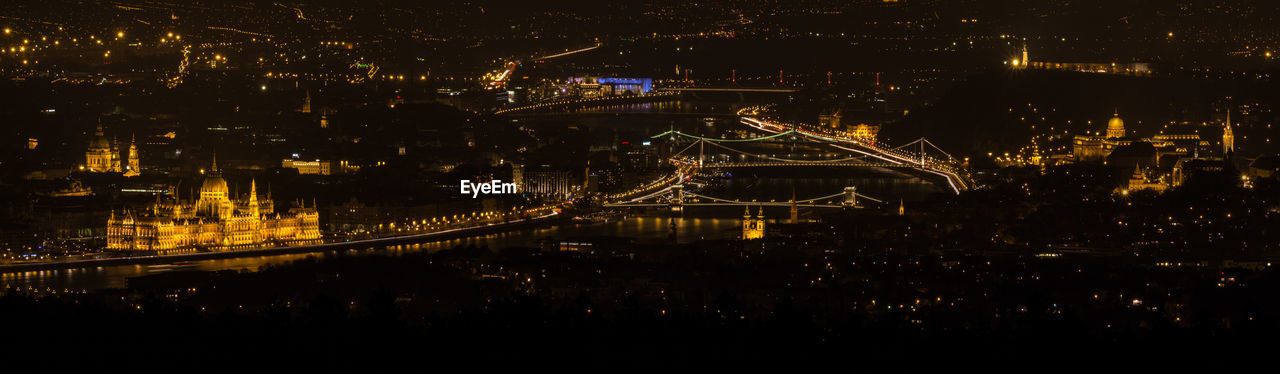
(115, 156)
(1026, 59)
(752, 225)
(1228, 138)
(306, 104)
(131, 162)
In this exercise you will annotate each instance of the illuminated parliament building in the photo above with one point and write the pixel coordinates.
(215, 221)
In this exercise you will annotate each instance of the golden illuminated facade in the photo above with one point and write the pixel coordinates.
(1097, 147)
(1174, 140)
(753, 224)
(859, 131)
(213, 221)
(100, 158)
(103, 156)
(1140, 181)
(1121, 68)
(863, 131)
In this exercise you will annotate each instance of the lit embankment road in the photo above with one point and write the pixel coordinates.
(673, 196)
(956, 181)
(498, 79)
(589, 102)
(730, 89)
(735, 165)
(439, 234)
(658, 186)
(240, 31)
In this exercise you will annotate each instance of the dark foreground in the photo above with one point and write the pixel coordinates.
(714, 303)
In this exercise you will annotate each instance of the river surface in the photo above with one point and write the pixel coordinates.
(643, 229)
(698, 223)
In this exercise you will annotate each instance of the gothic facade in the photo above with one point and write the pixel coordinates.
(214, 221)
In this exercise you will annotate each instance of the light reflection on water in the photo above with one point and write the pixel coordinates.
(642, 229)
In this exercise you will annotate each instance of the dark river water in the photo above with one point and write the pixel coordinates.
(696, 224)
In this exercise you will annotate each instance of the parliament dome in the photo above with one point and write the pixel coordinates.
(214, 184)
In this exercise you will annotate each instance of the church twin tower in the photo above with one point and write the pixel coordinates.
(103, 156)
(753, 224)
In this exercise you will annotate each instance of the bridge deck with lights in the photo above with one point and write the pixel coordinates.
(670, 192)
(867, 153)
(677, 198)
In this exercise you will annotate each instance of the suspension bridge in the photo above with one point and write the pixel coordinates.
(675, 197)
(919, 155)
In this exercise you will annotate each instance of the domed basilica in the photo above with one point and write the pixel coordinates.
(103, 156)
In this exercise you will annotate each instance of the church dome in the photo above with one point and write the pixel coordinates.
(100, 142)
(1115, 127)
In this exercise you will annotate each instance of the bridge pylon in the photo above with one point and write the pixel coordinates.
(677, 198)
(701, 152)
(850, 197)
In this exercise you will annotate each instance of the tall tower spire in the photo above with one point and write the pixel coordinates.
(253, 198)
(132, 167)
(115, 155)
(753, 225)
(1228, 138)
(1026, 59)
